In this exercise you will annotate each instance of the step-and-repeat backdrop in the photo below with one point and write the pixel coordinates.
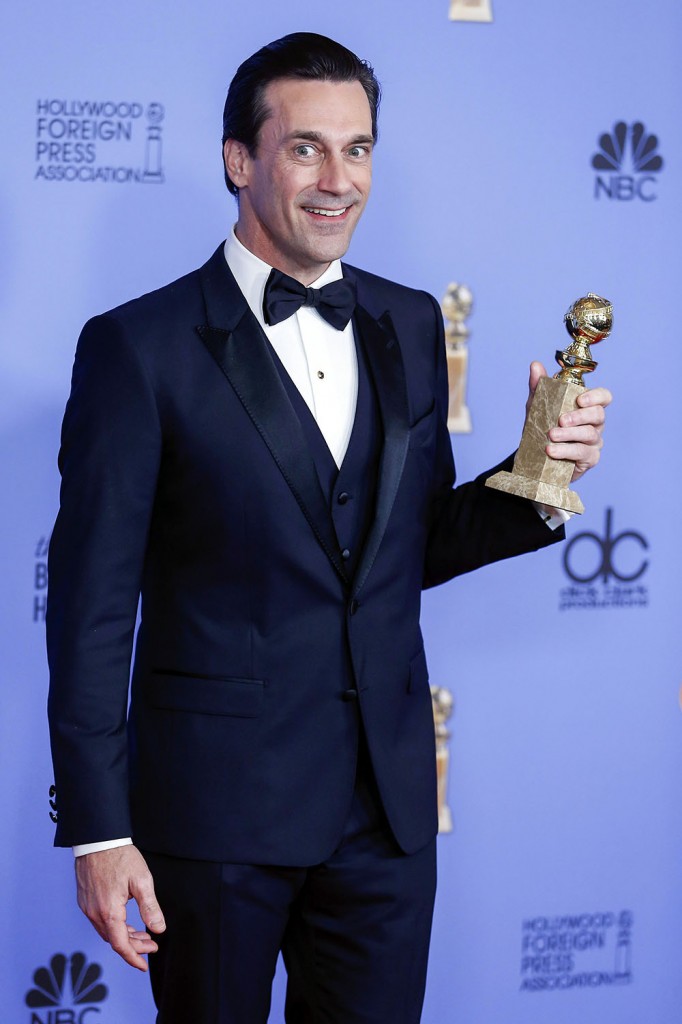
(534, 157)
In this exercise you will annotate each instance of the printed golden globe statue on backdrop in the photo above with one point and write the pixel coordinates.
(471, 10)
(534, 475)
(456, 306)
(443, 703)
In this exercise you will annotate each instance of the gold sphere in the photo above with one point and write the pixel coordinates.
(590, 317)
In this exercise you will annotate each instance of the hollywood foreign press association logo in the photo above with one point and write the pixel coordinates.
(573, 951)
(628, 162)
(606, 569)
(107, 141)
(66, 991)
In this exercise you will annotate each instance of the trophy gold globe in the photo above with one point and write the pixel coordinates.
(535, 475)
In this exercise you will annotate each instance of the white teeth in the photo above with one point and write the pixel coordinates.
(326, 213)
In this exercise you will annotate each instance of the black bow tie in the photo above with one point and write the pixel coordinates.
(284, 295)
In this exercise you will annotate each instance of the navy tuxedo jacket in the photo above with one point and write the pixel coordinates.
(187, 480)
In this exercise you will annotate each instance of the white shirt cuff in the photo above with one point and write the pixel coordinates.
(108, 844)
(552, 517)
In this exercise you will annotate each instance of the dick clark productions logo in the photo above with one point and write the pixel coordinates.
(66, 991)
(628, 160)
(605, 569)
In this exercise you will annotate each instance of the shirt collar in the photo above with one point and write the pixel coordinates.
(251, 273)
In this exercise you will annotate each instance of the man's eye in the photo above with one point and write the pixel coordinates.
(305, 150)
(358, 152)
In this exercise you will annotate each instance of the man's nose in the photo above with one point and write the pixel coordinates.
(334, 175)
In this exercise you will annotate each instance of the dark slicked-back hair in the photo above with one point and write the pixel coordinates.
(299, 55)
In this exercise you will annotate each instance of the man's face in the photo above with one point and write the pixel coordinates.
(302, 194)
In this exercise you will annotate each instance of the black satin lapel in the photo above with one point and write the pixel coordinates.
(243, 356)
(225, 305)
(386, 366)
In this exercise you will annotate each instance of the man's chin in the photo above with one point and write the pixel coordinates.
(331, 249)
(330, 240)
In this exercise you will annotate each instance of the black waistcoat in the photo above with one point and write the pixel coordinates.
(350, 490)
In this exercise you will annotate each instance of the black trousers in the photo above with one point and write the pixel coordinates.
(354, 931)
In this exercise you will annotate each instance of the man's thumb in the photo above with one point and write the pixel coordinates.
(150, 911)
(537, 372)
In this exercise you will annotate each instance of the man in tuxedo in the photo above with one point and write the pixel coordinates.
(260, 451)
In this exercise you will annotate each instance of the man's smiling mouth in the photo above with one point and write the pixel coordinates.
(325, 213)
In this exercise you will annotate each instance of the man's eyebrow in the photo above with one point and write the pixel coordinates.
(311, 136)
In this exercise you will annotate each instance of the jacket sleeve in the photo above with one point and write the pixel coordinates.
(472, 525)
(109, 461)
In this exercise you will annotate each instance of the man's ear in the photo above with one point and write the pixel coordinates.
(237, 161)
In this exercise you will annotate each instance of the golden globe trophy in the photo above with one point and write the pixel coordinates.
(535, 475)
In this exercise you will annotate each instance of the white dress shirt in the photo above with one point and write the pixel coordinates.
(320, 360)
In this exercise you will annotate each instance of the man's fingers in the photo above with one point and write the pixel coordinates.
(124, 939)
(595, 396)
(587, 434)
(142, 942)
(584, 454)
(593, 414)
(578, 435)
(120, 941)
(135, 935)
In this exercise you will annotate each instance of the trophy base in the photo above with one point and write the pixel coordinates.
(535, 476)
(536, 490)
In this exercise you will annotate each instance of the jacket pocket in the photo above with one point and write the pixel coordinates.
(238, 698)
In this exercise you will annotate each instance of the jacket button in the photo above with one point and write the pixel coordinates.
(345, 554)
(353, 607)
(349, 695)
(343, 497)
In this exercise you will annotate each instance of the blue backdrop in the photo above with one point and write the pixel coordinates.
(500, 164)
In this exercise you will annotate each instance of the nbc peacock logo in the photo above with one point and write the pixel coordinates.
(66, 990)
(629, 156)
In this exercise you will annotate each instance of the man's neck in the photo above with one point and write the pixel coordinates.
(305, 275)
